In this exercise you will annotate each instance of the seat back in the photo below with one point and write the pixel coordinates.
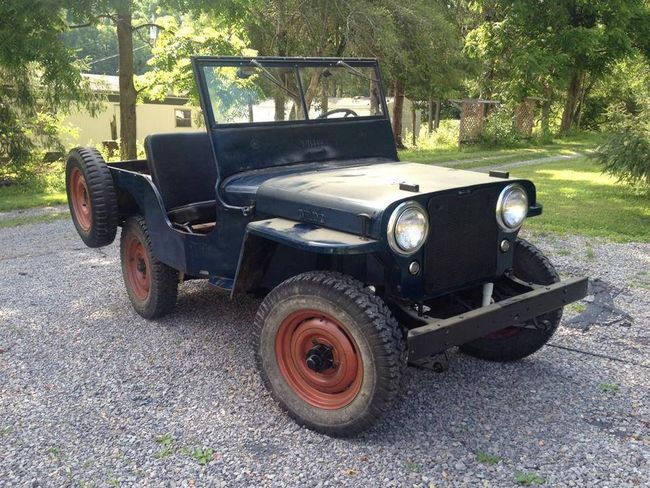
(182, 167)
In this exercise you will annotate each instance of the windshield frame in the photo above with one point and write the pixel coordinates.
(199, 63)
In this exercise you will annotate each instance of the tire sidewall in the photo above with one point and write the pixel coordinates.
(101, 193)
(74, 162)
(132, 227)
(328, 418)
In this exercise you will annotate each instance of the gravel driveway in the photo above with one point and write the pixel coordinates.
(93, 395)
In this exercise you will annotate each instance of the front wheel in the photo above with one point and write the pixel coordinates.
(152, 286)
(513, 343)
(330, 352)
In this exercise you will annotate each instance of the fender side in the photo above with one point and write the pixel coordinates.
(263, 237)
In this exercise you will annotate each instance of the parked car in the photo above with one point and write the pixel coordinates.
(365, 263)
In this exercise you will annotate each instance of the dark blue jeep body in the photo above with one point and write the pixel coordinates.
(247, 205)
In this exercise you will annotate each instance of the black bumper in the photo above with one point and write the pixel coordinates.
(438, 335)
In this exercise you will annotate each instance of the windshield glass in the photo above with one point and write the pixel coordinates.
(255, 93)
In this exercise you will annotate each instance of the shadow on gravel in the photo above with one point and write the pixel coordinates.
(601, 310)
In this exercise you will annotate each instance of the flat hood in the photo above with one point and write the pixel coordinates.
(336, 198)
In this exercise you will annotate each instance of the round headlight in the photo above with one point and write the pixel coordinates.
(407, 228)
(512, 207)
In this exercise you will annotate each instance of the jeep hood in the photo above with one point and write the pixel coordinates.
(335, 198)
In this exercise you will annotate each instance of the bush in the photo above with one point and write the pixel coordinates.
(626, 155)
(445, 137)
(499, 129)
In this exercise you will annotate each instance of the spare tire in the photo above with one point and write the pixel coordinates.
(91, 196)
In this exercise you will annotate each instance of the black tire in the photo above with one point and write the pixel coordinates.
(161, 280)
(95, 213)
(529, 265)
(374, 336)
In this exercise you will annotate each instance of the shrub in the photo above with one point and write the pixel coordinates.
(445, 137)
(499, 129)
(626, 154)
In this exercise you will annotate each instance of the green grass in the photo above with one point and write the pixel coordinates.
(18, 197)
(608, 387)
(166, 443)
(579, 199)
(487, 459)
(475, 156)
(528, 479)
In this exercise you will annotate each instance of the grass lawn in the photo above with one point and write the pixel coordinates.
(579, 199)
(472, 156)
(16, 198)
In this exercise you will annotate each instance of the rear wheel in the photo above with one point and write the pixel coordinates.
(330, 352)
(152, 286)
(91, 197)
(514, 343)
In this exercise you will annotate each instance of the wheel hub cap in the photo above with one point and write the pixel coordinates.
(319, 359)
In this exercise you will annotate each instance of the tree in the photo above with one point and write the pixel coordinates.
(535, 48)
(120, 13)
(426, 61)
(40, 77)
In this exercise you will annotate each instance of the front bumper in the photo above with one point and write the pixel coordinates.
(438, 335)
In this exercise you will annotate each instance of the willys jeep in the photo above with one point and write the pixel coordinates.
(295, 192)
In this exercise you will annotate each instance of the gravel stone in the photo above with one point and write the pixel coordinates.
(93, 395)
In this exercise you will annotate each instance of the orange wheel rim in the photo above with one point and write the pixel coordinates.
(80, 200)
(137, 268)
(319, 359)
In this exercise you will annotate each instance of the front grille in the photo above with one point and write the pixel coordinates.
(463, 239)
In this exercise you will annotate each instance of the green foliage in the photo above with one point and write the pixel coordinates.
(528, 478)
(487, 459)
(97, 46)
(626, 155)
(194, 35)
(202, 455)
(167, 446)
(499, 129)
(608, 387)
(444, 138)
(544, 48)
(41, 80)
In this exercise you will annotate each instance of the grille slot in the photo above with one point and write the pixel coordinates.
(462, 244)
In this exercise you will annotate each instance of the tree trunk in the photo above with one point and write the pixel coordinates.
(430, 116)
(128, 95)
(374, 98)
(436, 118)
(572, 96)
(398, 109)
(546, 110)
(414, 124)
(324, 97)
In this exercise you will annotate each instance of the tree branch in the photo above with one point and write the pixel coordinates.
(148, 24)
(94, 20)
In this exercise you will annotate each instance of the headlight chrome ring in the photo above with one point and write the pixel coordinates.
(516, 191)
(395, 217)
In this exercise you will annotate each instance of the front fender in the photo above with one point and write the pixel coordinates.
(263, 236)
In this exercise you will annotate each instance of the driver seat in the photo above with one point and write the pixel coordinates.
(183, 169)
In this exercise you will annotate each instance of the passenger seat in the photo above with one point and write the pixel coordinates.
(183, 169)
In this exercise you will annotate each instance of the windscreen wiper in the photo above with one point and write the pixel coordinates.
(274, 80)
(356, 72)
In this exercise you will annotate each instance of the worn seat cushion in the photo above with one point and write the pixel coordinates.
(183, 169)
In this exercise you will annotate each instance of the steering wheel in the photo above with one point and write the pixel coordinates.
(347, 111)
